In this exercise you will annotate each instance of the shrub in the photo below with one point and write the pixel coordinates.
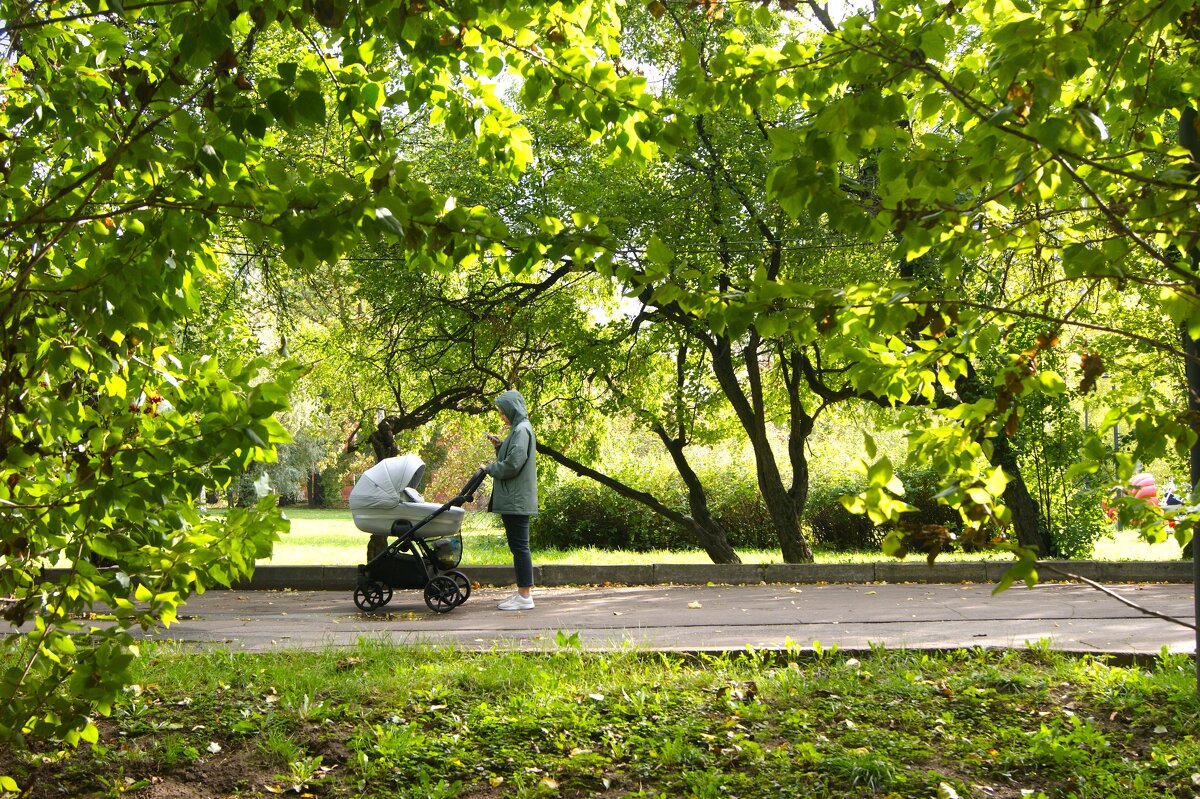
(582, 513)
(920, 489)
(577, 512)
(734, 500)
(831, 525)
(1082, 525)
(836, 528)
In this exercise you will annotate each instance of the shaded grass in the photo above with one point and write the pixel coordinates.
(328, 537)
(385, 721)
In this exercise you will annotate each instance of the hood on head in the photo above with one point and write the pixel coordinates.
(512, 405)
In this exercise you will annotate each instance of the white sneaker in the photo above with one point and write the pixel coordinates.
(516, 602)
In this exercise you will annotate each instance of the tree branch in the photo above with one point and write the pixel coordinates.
(649, 500)
(1044, 565)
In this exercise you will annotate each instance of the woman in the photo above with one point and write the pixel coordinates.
(514, 491)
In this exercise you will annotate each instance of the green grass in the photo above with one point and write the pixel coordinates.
(329, 538)
(382, 721)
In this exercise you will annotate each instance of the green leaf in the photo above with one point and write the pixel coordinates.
(210, 159)
(1091, 123)
(658, 252)
(79, 359)
(997, 481)
(389, 222)
(880, 472)
(771, 325)
(310, 106)
(287, 72)
(279, 103)
(256, 126)
(1051, 383)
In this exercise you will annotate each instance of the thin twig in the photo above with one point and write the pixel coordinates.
(1114, 595)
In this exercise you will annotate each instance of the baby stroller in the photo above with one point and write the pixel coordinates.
(428, 545)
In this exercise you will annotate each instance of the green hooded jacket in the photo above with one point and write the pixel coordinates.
(514, 474)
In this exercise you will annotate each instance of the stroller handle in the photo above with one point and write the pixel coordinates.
(468, 492)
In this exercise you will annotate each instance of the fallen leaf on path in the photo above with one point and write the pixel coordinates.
(695, 605)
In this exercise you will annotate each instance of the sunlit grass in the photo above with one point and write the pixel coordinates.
(1126, 545)
(378, 721)
(328, 537)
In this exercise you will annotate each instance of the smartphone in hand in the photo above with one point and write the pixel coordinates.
(492, 437)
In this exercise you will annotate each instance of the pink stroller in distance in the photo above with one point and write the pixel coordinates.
(428, 545)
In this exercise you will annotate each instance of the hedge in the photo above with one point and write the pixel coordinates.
(583, 513)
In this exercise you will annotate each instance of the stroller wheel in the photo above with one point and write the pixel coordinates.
(464, 585)
(442, 594)
(372, 595)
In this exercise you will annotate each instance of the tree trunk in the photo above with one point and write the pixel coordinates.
(710, 536)
(383, 441)
(707, 530)
(783, 506)
(383, 444)
(1189, 137)
(1191, 369)
(1027, 516)
(316, 490)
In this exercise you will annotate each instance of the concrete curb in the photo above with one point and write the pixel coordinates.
(344, 578)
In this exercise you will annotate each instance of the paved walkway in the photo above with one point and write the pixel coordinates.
(1070, 617)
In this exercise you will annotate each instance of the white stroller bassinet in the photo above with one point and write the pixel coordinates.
(387, 492)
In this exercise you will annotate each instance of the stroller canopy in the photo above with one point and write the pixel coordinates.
(382, 486)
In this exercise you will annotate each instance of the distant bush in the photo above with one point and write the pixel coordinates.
(578, 512)
(582, 513)
(920, 488)
(835, 528)
(734, 499)
(830, 524)
(1082, 524)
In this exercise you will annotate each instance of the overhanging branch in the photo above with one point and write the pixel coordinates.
(1139, 608)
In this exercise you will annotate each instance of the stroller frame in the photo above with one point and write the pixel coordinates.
(412, 562)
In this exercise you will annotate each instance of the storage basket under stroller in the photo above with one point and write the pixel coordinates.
(428, 546)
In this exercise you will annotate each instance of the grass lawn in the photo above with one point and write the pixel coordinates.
(379, 722)
(329, 538)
